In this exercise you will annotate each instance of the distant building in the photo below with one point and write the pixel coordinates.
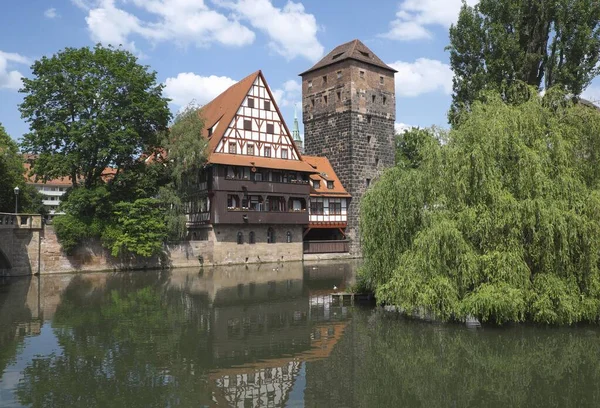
(349, 110)
(296, 134)
(51, 190)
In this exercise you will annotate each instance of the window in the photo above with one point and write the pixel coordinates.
(209, 132)
(376, 162)
(312, 102)
(316, 184)
(381, 80)
(325, 99)
(251, 239)
(336, 56)
(267, 105)
(232, 148)
(247, 124)
(251, 102)
(368, 139)
(316, 207)
(258, 177)
(270, 128)
(232, 201)
(373, 98)
(250, 150)
(369, 119)
(339, 96)
(361, 74)
(240, 238)
(339, 74)
(284, 153)
(324, 79)
(335, 208)
(267, 152)
(310, 84)
(384, 100)
(368, 182)
(270, 236)
(330, 184)
(289, 236)
(364, 54)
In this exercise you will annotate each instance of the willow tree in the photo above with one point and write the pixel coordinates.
(501, 222)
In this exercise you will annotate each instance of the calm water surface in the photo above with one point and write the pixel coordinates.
(267, 336)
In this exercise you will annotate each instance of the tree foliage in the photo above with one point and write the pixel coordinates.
(500, 222)
(91, 109)
(12, 174)
(498, 43)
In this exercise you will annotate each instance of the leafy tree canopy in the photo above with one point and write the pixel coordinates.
(497, 43)
(12, 174)
(90, 109)
(499, 222)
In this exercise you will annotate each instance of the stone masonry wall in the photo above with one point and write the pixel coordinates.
(353, 127)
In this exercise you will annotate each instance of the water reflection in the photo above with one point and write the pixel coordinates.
(266, 336)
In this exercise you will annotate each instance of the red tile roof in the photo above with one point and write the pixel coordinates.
(325, 173)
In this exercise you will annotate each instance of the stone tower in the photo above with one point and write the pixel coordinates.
(349, 110)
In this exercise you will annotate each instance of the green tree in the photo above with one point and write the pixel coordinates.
(499, 43)
(500, 222)
(90, 109)
(12, 174)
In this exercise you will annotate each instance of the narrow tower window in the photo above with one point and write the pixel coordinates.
(381, 80)
(240, 238)
(325, 99)
(324, 79)
(339, 74)
(362, 74)
(270, 236)
(373, 98)
(339, 96)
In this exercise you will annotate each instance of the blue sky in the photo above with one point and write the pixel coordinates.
(200, 47)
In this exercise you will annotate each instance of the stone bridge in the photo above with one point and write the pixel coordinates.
(20, 244)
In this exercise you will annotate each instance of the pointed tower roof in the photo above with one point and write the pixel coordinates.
(296, 129)
(355, 50)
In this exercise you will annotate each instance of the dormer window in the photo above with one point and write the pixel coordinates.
(336, 56)
(251, 102)
(364, 54)
(316, 184)
(329, 185)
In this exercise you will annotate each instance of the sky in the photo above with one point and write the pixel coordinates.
(200, 47)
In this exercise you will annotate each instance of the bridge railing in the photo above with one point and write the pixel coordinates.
(20, 221)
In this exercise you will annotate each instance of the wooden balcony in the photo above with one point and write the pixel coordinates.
(326, 247)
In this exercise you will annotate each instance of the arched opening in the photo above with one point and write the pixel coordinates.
(252, 240)
(270, 236)
(240, 238)
(289, 236)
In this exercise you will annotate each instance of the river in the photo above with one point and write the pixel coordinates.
(267, 336)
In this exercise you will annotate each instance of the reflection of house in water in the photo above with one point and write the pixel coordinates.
(265, 326)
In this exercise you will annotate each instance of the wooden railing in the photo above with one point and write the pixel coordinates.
(326, 247)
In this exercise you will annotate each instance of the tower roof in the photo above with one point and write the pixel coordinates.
(355, 50)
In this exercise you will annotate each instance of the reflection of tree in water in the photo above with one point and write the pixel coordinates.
(381, 362)
(129, 343)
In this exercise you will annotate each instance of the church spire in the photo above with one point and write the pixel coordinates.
(296, 132)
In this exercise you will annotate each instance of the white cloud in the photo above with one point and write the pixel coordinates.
(401, 127)
(292, 32)
(414, 17)
(289, 93)
(421, 77)
(51, 13)
(188, 87)
(11, 79)
(181, 21)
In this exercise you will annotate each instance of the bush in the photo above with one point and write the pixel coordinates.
(71, 231)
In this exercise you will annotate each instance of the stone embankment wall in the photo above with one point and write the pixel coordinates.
(221, 249)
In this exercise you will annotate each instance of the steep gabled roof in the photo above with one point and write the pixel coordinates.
(223, 108)
(325, 173)
(355, 50)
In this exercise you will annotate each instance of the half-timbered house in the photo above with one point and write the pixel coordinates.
(253, 197)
